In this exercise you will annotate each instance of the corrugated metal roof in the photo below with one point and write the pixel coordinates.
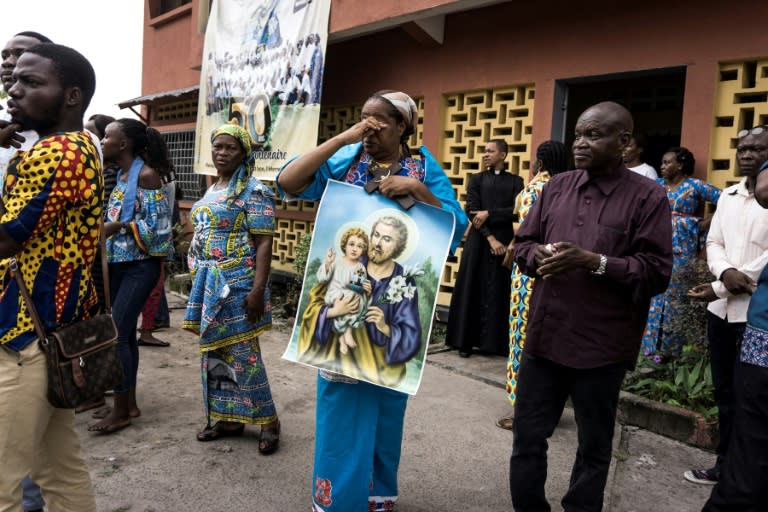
(153, 98)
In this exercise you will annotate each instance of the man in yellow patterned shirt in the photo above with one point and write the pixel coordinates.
(51, 207)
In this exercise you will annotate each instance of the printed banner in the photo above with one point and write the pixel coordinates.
(370, 287)
(263, 68)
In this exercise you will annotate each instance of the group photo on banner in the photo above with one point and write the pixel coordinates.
(262, 69)
(352, 324)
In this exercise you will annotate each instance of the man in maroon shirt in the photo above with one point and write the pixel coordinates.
(600, 240)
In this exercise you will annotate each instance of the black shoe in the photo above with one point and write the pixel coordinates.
(464, 354)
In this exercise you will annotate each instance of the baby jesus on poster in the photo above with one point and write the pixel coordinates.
(345, 279)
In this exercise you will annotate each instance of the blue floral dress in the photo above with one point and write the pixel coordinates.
(222, 259)
(684, 201)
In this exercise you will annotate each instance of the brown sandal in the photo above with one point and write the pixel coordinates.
(269, 440)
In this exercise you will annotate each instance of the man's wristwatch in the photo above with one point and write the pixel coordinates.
(123, 228)
(600, 270)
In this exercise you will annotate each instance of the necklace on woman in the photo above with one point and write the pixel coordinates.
(380, 165)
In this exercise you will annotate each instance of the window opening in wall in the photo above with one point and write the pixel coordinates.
(181, 148)
(159, 7)
(654, 97)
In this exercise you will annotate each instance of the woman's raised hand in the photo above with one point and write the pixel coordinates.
(299, 173)
(361, 129)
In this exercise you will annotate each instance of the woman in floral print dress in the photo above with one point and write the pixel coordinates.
(551, 159)
(686, 196)
(229, 257)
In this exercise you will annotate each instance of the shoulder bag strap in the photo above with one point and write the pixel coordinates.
(104, 268)
(30, 305)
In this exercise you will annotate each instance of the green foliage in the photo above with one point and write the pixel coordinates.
(301, 253)
(178, 265)
(439, 330)
(180, 245)
(312, 268)
(427, 288)
(311, 280)
(684, 379)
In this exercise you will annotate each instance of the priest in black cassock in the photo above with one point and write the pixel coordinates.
(479, 315)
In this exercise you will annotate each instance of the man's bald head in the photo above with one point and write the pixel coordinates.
(602, 133)
(613, 114)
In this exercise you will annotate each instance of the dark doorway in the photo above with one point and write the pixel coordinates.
(654, 97)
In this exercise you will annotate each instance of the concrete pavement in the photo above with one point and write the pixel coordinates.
(454, 457)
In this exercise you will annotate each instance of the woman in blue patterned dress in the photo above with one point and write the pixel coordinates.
(686, 197)
(230, 256)
(362, 474)
(139, 233)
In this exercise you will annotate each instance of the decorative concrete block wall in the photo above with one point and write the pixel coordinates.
(741, 101)
(469, 120)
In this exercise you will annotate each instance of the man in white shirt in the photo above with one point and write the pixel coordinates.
(633, 157)
(737, 251)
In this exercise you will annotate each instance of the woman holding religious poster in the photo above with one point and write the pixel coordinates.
(373, 154)
(230, 256)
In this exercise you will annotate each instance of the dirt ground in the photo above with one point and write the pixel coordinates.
(454, 457)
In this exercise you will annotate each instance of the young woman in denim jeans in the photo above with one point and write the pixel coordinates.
(139, 233)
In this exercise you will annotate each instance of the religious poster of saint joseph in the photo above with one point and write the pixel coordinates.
(370, 287)
(262, 69)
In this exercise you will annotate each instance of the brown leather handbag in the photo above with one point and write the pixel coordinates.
(81, 357)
